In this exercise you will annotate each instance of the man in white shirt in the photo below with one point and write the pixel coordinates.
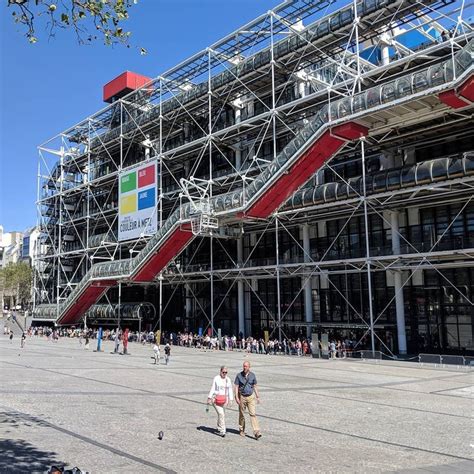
(221, 395)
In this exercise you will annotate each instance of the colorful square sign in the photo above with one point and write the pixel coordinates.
(128, 204)
(137, 209)
(128, 182)
(146, 198)
(146, 176)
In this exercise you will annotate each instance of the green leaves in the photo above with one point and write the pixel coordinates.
(17, 277)
(105, 17)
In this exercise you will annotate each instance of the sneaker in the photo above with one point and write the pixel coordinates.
(258, 435)
(222, 435)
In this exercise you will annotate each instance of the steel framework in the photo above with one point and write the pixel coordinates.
(234, 130)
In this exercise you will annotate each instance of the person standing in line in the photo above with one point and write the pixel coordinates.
(220, 396)
(156, 353)
(167, 353)
(332, 348)
(247, 396)
(305, 347)
(99, 335)
(125, 341)
(116, 342)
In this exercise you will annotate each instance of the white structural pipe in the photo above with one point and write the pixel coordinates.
(308, 298)
(398, 285)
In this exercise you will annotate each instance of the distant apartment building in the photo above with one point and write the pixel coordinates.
(15, 247)
(10, 246)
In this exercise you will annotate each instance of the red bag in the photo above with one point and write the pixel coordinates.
(220, 400)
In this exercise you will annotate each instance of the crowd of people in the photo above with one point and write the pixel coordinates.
(337, 347)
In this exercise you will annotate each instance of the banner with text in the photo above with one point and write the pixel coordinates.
(137, 197)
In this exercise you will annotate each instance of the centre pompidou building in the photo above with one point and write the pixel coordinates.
(312, 172)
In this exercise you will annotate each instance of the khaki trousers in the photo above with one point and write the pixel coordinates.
(248, 403)
(220, 418)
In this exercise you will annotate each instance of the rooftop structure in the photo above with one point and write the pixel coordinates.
(123, 85)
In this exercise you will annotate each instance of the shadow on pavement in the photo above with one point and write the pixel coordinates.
(213, 431)
(20, 456)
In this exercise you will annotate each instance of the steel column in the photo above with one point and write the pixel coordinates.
(398, 285)
(308, 297)
(240, 289)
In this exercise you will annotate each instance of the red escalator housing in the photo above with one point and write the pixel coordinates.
(467, 89)
(460, 97)
(326, 145)
(86, 299)
(175, 243)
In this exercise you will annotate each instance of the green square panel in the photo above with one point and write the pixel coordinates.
(128, 182)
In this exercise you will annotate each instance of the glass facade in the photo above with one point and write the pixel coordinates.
(438, 302)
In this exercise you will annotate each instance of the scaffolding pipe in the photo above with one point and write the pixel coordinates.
(211, 243)
(160, 302)
(308, 299)
(367, 246)
(277, 251)
(119, 308)
(272, 55)
(161, 157)
(60, 227)
(89, 263)
(212, 282)
(240, 289)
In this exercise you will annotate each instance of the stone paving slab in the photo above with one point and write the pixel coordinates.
(102, 412)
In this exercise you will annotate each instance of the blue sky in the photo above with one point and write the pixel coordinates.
(49, 86)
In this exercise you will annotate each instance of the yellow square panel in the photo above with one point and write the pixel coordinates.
(128, 204)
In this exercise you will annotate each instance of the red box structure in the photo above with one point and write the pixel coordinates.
(123, 84)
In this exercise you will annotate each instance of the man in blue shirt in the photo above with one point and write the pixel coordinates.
(246, 396)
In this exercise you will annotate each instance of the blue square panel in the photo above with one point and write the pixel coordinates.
(146, 198)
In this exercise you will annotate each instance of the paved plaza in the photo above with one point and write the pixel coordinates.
(61, 404)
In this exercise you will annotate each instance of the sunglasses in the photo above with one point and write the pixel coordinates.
(224, 372)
